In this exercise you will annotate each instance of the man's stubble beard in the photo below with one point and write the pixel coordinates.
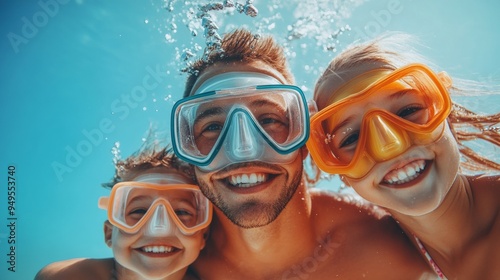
(252, 213)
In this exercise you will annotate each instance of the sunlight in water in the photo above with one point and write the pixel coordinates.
(194, 26)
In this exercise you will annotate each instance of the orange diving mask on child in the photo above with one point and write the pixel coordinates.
(157, 209)
(378, 116)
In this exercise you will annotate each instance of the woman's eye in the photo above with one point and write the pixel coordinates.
(407, 111)
(349, 140)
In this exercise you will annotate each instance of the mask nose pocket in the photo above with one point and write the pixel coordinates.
(386, 139)
(160, 224)
(242, 142)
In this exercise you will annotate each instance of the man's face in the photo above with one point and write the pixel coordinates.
(251, 194)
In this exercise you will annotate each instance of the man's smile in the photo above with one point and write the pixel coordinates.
(247, 180)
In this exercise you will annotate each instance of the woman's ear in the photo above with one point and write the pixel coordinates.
(108, 233)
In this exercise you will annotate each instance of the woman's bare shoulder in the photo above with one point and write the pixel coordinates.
(484, 181)
(486, 189)
(78, 269)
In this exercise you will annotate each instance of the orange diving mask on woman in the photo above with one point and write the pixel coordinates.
(378, 116)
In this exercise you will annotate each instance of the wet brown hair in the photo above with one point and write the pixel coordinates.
(145, 159)
(241, 45)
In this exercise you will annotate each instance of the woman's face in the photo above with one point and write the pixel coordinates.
(155, 256)
(415, 180)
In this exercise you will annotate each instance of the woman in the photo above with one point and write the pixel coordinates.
(387, 125)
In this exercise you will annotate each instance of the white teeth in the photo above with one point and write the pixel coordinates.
(157, 249)
(402, 174)
(247, 180)
(406, 173)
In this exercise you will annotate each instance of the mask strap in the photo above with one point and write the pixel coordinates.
(358, 84)
(236, 80)
(162, 178)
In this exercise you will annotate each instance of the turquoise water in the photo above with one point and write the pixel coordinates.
(79, 76)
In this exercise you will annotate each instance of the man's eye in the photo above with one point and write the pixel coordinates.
(272, 119)
(211, 130)
(268, 121)
(213, 127)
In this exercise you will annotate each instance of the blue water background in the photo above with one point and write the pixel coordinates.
(67, 96)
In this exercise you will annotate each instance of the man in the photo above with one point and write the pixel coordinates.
(246, 143)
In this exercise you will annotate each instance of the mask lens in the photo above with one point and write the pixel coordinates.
(134, 205)
(202, 123)
(402, 108)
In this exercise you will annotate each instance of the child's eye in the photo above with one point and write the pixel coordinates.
(135, 215)
(183, 212)
(187, 217)
(138, 212)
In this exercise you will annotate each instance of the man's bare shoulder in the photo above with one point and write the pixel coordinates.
(77, 269)
(356, 229)
(352, 215)
(351, 204)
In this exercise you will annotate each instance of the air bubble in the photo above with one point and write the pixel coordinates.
(250, 10)
(323, 22)
(169, 38)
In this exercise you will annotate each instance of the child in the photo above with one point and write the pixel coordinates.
(157, 225)
(387, 125)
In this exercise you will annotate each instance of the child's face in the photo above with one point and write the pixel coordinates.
(394, 165)
(151, 254)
